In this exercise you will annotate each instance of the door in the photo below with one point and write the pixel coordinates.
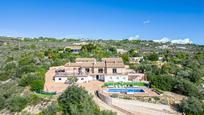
(97, 77)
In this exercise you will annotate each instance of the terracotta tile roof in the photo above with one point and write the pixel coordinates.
(99, 64)
(86, 64)
(112, 60)
(83, 64)
(72, 65)
(91, 62)
(115, 65)
(85, 60)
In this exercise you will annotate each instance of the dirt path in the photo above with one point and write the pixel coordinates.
(143, 108)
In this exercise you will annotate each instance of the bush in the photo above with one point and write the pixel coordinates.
(50, 110)
(34, 99)
(37, 85)
(2, 102)
(17, 103)
(191, 105)
(76, 101)
(163, 82)
(4, 76)
(27, 79)
(153, 57)
(107, 112)
(186, 87)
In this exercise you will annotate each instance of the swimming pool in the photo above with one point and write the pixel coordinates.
(124, 90)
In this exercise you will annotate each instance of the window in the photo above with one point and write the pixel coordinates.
(82, 78)
(87, 70)
(110, 77)
(114, 70)
(117, 77)
(60, 79)
(100, 70)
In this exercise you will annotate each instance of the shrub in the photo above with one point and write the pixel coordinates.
(27, 79)
(37, 85)
(4, 76)
(156, 98)
(163, 82)
(34, 99)
(17, 103)
(186, 87)
(107, 112)
(191, 105)
(76, 101)
(50, 110)
(2, 102)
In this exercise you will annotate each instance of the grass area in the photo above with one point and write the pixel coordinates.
(127, 84)
(44, 95)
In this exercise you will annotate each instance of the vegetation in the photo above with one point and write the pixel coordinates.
(191, 106)
(24, 62)
(76, 101)
(50, 110)
(17, 103)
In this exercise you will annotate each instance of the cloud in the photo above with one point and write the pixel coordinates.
(136, 37)
(175, 41)
(146, 22)
(180, 41)
(163, 40)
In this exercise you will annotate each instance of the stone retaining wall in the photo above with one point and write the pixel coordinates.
(106, 99)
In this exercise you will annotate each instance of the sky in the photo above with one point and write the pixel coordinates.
(104, 19)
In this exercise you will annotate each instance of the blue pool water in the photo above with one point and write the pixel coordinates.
(124, 90)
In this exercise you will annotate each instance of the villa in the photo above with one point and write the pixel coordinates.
(136, 59)
(88, 69)
(121, 51)
(74, 48)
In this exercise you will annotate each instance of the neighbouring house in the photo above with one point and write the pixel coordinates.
(121, 51)
(161, 59)
(74, 48)
(80, 43)
(164, 47)
(136, 59)
(88, 69)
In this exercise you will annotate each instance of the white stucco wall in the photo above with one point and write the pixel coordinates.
(84, 79)
(63, 79)
(80, 79)
(116, 78)
(119, 70)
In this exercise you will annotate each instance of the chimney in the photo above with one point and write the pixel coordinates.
(105, 67)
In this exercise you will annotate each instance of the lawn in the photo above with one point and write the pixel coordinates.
(45, 94)
(128, 84)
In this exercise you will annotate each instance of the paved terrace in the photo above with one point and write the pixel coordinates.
(52, 86)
